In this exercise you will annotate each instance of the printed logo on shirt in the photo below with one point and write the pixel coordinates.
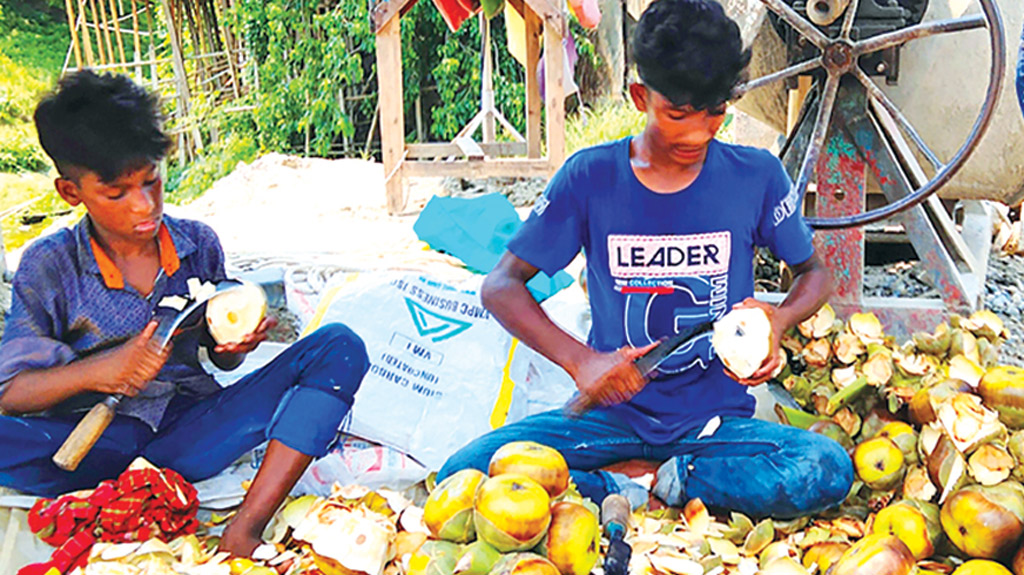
(786, 207)
(635, 256)
(540, 205)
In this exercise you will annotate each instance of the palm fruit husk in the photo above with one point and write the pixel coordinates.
(877, 370)
(1002, 388)
(904, 436)
(935, 343)
(924, 406)
(697, 517)
(964, 343)
(875, 419)
(354, 536)
(759, 537)
(879, 463)
(914, 365)
(968, 423)
(817, 353)
(988, 352)
(927, 440)
(866, 327)
(478, 558)
(848, 420)
(797, 417)
(844, 376)
(799, 387)
(833, 431)
(819, 325)
(824, 554)
(845, 395)
(875, 555)
(792, 342)
(917, 484)
(990, 464)
(965, 369)
(725, 549)
(448, 512)
(782, 566)
(984, 323)
(916, 523)
(985, 521)
(847, 348)
(947, 468)
(1015, 445)
(739, 527)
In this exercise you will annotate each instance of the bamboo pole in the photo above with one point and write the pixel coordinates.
(72, 26)
(152, 45)
(117, 31)
(106, 33)
(99, 34)
(86, 41)
(137, 42)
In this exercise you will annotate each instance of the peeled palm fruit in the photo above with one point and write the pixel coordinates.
(743, 339)
(233, 314)
(511, 512)
(448, 511)
(541, 463)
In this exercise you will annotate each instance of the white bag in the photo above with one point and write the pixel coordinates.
(439, 363)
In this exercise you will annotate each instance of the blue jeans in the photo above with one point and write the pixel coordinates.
(300, 399)
(1020, 73)
(747, 465)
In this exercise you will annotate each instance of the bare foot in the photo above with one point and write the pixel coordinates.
(239, 540)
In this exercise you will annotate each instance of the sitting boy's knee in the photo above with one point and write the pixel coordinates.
(827, 478)
(343, 344)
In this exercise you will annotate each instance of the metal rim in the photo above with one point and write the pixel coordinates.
(840, 56)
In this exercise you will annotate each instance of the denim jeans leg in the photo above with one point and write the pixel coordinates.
(1020, 73)
(587, 443)
(759, 468)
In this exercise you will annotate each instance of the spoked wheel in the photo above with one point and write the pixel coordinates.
(840, 56)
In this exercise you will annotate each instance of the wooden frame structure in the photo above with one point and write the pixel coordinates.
(487, 158)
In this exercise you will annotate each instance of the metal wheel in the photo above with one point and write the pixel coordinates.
(839, 57)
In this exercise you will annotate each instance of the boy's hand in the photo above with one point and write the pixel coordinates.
(611, 378)
(771, 363)
(251, 341)
(130, 367)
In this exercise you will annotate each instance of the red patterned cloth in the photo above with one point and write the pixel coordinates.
(141, 504)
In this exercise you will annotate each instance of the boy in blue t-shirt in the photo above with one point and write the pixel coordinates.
(668, 221)
(81, 326)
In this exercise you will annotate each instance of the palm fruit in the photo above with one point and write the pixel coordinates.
(819, 325)
(874, 555)
(1002, 388)
(947, 467)
(833, 431)
(879, 463)
(824, 554)
(866, 327)
(916, 523)
(573, 541)
(448, 512)
(434, 558)
(990, 464)
(965, 369)
(524, 564)
(847, 348)
(743, 340)
(984, 323)
(903, 435)
(1018, 561)
(981, 567)
(935, 343)
(233, 314)
(511, 512)
(985, 522)
(924, 407)
(478, 558)
(875, 420)
(968, 423)
(541, 463)
(817, 353)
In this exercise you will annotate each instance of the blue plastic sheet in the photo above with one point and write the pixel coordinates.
(476, 230)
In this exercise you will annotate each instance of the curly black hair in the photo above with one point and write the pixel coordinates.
(690, 51)
(105, 123)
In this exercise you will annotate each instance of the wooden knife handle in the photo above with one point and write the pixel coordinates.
(85, 434)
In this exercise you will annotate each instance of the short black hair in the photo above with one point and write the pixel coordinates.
(690, 51)
(105, 123)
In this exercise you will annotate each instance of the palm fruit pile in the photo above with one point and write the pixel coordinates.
(933, 426)
(523, 517)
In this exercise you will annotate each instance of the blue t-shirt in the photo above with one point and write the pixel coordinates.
(659, 263)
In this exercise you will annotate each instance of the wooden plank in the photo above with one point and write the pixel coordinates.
(392, 117)
(533, 101)
(69, 7)
(386, 10)
(548, 12)
(431, 150)
(554, 92)
(476, 169)
(469, 148)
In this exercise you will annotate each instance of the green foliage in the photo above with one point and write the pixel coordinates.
(608, 122)
(184, 184)
(34, 33)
